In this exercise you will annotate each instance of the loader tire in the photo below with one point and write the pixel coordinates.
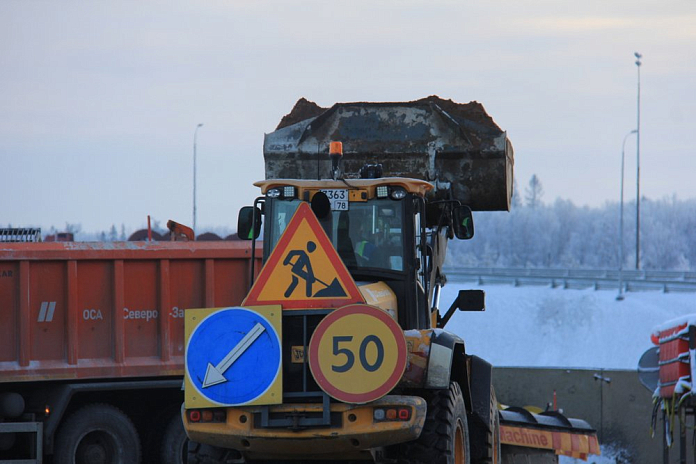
(522, 455)
(485, 438)
(445, 435)
(97, 434)
(174, 446)
(198, 453)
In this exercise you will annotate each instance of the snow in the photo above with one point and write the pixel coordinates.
(545, 327)
(686, 321)
(610, 455)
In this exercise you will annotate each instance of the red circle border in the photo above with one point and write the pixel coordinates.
(393, 379)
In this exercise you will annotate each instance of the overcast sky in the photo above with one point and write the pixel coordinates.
(99, 100)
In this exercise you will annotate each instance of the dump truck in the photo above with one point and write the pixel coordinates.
(339, 351)
(92, 344)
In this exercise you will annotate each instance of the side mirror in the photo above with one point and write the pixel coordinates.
(249, 223)
(467, 300)
(649, 368)
(321, 205)
(463, 221)
(471, 300)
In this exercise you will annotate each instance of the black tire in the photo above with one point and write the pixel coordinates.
(485, 438)
(97, 434)
(445, 435)
(199, 453)
(174, 446)
(522, 455)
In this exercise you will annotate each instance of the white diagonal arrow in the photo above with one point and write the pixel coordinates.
(214, 374)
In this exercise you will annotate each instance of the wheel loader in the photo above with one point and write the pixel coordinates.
(340, 350)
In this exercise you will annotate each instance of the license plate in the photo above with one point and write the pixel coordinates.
(338, 198)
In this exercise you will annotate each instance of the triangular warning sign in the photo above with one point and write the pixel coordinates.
(304, 270)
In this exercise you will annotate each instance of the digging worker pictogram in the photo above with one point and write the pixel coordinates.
(302, 268)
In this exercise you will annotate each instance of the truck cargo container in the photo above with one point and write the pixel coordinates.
(92, 344)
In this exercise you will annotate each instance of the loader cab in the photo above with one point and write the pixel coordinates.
(377, 227)
(369, 236)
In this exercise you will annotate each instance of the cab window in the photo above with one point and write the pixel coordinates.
(368, 235)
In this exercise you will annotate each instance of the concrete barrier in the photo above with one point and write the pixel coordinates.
(612, 401)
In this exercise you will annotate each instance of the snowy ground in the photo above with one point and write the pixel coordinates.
(546, 327)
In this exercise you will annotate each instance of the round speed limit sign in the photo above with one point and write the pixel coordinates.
(357, 354)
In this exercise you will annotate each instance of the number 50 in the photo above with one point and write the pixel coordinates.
(362, 353)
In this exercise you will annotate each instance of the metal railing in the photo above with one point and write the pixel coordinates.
(20, 234)
(599, 279)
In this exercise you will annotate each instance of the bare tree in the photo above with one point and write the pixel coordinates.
(73, 228)
(516, 200)
(567, 236)
(534, 192)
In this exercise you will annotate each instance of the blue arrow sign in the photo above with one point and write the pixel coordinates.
(233, 356)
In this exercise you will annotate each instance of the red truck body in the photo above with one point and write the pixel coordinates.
(76, 312)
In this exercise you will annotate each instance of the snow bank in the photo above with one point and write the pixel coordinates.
(544, 327)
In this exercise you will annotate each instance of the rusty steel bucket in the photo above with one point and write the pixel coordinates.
(457, 147)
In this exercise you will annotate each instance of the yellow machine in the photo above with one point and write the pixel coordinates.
(339, 350)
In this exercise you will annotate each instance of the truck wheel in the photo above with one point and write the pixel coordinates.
(174, 446)
(445, 435)
(485, 443)
(97, 434)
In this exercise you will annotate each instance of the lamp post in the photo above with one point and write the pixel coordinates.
(620, 296)
(638, 63)
(195, 135)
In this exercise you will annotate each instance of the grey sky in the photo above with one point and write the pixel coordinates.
(100, 100)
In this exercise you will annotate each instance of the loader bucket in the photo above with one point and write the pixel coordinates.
(457, 147)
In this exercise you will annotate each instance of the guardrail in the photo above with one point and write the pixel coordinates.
(599, 279)
(14, 234)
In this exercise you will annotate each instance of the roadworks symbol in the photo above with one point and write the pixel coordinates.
(301, 268)
(304, 270)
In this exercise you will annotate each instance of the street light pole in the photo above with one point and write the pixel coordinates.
(638, 63)
(195, 135)
(620, 296)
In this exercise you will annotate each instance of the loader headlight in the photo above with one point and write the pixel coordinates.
(286, 192)
(397, 193)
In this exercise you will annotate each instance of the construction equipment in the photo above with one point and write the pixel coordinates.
(668, 370)
(338, 351)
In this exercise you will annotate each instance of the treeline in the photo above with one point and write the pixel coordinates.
(112, 235)
(562, 235)
(122, 233)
